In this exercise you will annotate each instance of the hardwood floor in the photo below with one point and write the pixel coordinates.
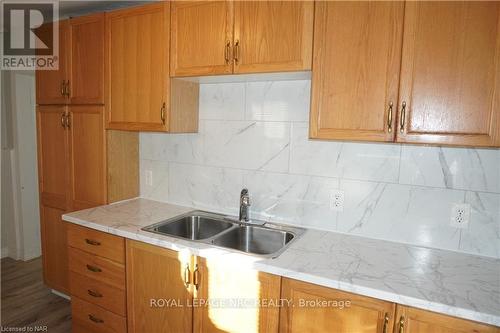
(27, 302)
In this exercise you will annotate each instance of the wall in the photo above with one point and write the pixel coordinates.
(20, 210)
(255, 135)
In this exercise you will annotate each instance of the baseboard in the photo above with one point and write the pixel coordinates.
(5, 252)
(60, 294)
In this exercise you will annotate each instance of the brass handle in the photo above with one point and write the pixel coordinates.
(389, 118)
(187, 274)
(92, 242)
(63, 120)
(236, 51)
(68, 122)
(403, 117)
(227, 50)
(94, 269)
(67, 91)
(386, 320)
(63, 87)
(93, 293)
(402, 324)
(196, 277)
(95, 319)
(162, 113)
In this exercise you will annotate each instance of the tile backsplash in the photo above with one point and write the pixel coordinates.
(255, 135)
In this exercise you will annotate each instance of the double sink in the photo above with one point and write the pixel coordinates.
(266, 239)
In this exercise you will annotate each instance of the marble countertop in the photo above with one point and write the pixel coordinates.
(452, 283)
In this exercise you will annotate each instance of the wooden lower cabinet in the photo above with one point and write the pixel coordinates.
(237, 294)
(97, 281)
(411, 320)
(320, 309)
(55, 254)
(90, 318)
(168, 291)
(158, 289)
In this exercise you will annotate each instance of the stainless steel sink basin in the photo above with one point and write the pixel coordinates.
(254, 240)
(268, 240)
(195, 226)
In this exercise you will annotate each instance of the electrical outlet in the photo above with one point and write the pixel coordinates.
(149, 177)
(337, 200)
(460, 214)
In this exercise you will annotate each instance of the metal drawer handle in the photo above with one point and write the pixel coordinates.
(94, 293)
(94, 269)
(63, 120)
(236, 52)
(386, 322)
(402, 324)
(389, 118)
(196, 277)
(92, 242)
(63, 88)
(162, 113)
(227, 51)
(187, 273)
(403, 117)
(95, 319)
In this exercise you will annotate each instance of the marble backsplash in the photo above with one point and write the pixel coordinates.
(255, 135)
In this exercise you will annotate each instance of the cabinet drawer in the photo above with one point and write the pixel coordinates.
(96, 242)
(101, 269)
(96, 292)
(88, 317)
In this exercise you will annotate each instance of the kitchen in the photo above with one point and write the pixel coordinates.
(266, 166)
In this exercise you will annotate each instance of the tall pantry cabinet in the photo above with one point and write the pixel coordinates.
(80, 165)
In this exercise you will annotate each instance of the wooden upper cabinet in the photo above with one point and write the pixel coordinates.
(155, 275)
(87, 156)
(450, 74)
(272, 36)
(201, 38)
(357, 52)
(86, 85)
(363, 314)
(50, 83)
(220, 281)
(137, 76)
(421, 321)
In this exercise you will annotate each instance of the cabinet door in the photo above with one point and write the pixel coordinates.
(49, 83)
(201, 38)
(87, 156)
(421, 321)
(321, 309)
(86, 85)
(157, 298)
(54, 248)
(273, 36)
(53, 178)
(357, 52)
(137, 79)
(219, 281)
(450, 73)
(53, 172)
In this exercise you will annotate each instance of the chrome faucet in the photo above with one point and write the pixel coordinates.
(244, 206)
